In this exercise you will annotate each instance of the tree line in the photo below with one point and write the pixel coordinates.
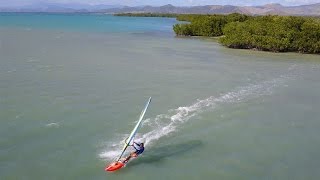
(268, 33)
(147, 15)
(274, 33)
(205, 25)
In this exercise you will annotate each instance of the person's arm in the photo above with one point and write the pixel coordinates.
(134, 143)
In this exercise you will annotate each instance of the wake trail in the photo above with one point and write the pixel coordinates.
(165, 124)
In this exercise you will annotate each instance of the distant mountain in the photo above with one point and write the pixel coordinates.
(306, 10)
(59, 7)
(303, 10)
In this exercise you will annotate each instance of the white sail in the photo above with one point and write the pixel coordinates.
(135, 129)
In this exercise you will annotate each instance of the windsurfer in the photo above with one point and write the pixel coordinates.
(139, 148)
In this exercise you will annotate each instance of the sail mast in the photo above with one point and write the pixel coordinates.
(135, 129)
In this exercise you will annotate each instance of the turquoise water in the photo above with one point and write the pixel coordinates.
(69, 96)
(86, 22)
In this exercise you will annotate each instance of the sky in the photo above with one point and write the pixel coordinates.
(17, 3)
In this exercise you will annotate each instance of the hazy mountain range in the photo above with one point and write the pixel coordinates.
(305, 10)
(58, 7)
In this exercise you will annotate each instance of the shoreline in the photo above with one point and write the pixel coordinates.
(256, 33)
(216, 40)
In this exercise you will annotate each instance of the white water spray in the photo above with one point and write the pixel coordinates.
(165, 124)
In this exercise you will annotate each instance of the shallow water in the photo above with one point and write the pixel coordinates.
(69, 96)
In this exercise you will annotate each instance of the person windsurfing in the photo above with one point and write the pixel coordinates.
(139, 148)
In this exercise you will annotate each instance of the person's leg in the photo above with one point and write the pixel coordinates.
(127, 159)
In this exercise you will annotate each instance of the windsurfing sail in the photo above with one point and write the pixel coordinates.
(135, 129)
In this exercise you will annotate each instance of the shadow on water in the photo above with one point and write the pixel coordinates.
(159, 154)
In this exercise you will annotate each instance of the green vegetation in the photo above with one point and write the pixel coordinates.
(147, 15)
(274, 33)
(267, 33)
(206, 25)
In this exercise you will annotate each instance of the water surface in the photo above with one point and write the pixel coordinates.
(72, 87)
